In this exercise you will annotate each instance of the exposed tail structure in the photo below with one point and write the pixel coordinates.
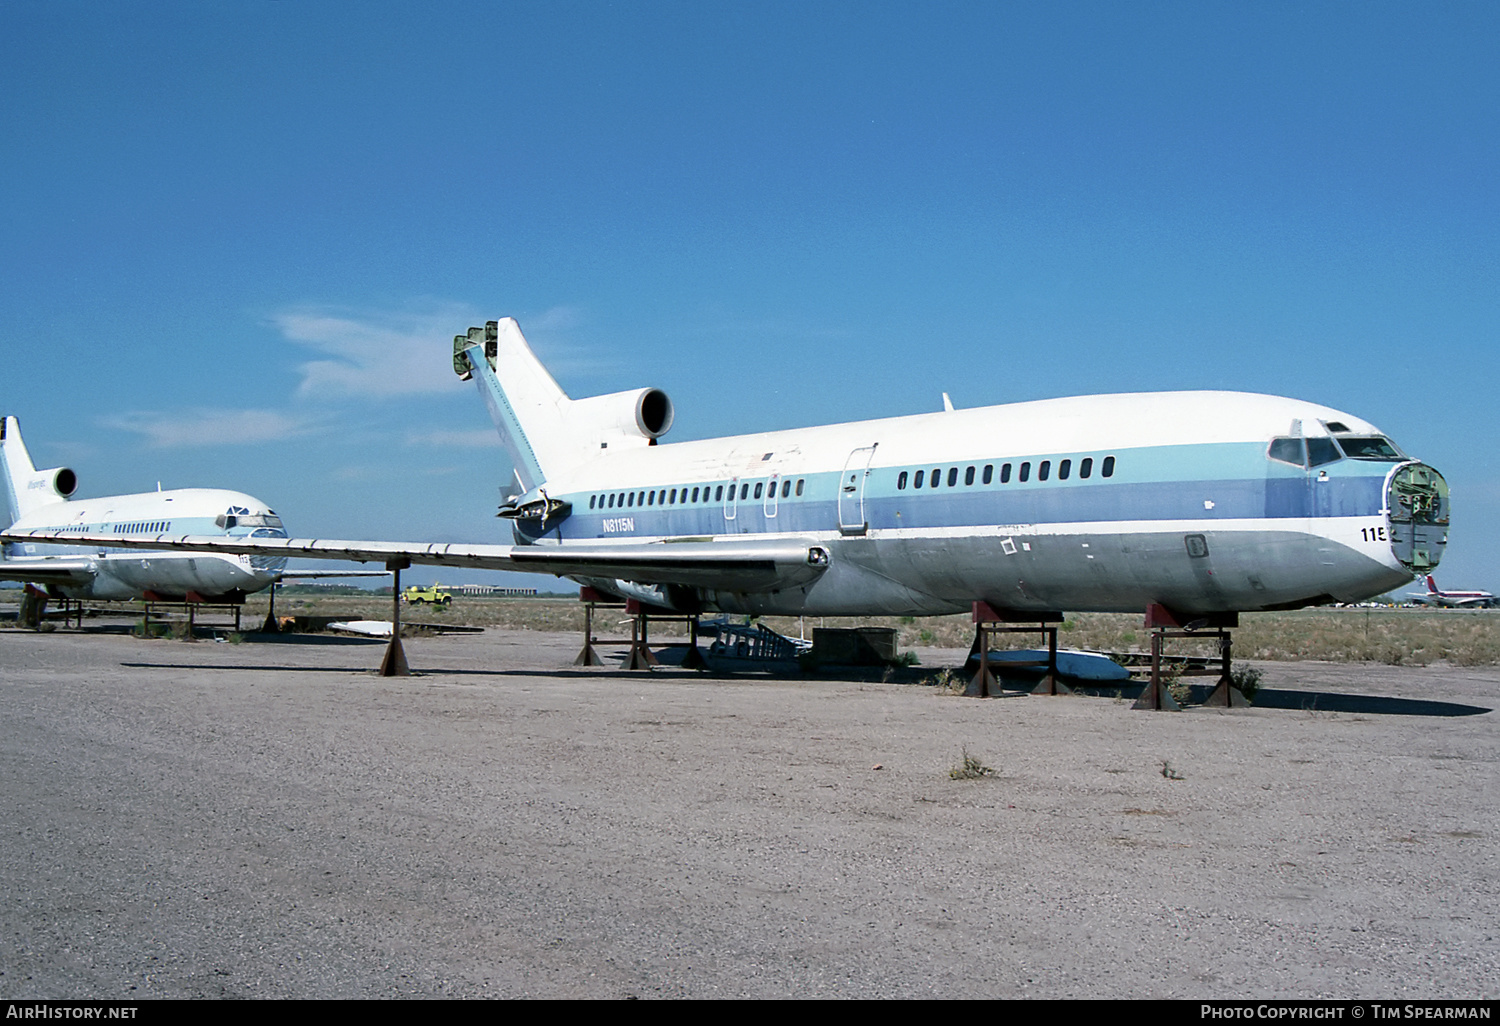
(27, 488)
(544, 431)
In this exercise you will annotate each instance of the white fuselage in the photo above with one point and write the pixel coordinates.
(1101, 503)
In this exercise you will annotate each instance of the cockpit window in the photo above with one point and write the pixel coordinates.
(1321, 451)
(1287, 450)
(1370, 447)
(238, 516)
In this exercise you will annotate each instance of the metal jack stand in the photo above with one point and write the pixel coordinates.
(1159, 621)
(394, 663)
(640, 657)
(591, 599)
(986, 616)
(272, 626)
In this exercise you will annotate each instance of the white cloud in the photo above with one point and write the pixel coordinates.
(206, 427)
(376, 354)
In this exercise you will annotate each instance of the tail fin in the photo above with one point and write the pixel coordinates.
(545, 432)
(1432, 588)
(25, 487)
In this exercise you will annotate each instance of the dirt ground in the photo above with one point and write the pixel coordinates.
(269, 819)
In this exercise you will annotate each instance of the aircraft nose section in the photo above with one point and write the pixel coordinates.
(1416, 504)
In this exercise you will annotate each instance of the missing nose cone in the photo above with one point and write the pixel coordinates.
(1416, 502)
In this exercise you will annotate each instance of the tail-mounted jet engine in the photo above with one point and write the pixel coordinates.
(60, 482)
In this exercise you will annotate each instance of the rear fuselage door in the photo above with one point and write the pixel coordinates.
(856, 472)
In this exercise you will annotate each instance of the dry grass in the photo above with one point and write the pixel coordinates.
(1413, 637)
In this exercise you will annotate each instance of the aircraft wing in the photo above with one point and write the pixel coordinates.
(57, 570)
(749, 564)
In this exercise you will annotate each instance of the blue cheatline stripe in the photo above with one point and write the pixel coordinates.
(1034, 503)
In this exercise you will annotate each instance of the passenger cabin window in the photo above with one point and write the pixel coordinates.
(989, 472)
(760, 487)
(1026, 472)
(786, 488)
(1063, 469)
(1108, 469)
(1044, 471)
(799, 486)
(969, 476)
(917, 481)
(952, 476)
(937, 477)
(1005, 474)
(1086, 467)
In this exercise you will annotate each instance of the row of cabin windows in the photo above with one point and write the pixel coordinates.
(1043, 473)
(681, 496)
(149, 527)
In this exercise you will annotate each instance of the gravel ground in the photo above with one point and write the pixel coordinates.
(270, 820)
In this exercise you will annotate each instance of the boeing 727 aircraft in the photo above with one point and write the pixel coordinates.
(1201, 502)
(39, 502)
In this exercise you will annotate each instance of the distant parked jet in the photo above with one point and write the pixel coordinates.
(1434, 596)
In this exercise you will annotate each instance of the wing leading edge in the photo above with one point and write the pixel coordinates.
(731, 565)
(48, 570)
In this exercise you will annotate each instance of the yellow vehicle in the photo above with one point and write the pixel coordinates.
(417, 595)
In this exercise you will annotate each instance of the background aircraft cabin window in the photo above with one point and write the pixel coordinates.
(786, 488)
(1044, 470)
(969, 476)
(591, 501)
(1063, 469)
(745, 491)
(937, 477)
(630, 499)
(1026, 472)
(651, 498)
(760, 487)
(1108, 469)
(1005, 474)
(1321, 451)
(1086, 467)
(799, 486)
(719, 493)
(917, 481)
(952, 476)
(989, 472)
(901, 480)
(1287, 450)
(640, 500)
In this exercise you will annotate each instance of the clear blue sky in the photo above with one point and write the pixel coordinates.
(238, 238)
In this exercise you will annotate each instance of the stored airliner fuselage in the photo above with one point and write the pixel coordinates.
(1201, 502)
(39, 501)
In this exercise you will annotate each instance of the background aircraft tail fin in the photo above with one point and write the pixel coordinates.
(26, 488)
(545, 432)
(1432, 588)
